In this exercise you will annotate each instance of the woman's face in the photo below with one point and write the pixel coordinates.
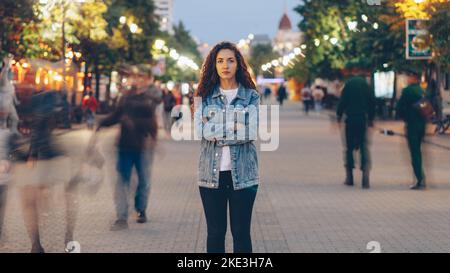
(226, 64)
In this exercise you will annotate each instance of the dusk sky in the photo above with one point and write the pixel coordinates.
(213, 21)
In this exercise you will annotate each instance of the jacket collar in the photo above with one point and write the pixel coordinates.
(240, 94)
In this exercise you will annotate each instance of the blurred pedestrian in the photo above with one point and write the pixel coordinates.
(307, 98)
(228, 168)
(89, 106)
(317, 93)
(9, 94)
(282, 94)
(358, 104)
(44, 161)
(7, 140)
(415, 126)
(267, 92)
(168, 104)
(138, 134)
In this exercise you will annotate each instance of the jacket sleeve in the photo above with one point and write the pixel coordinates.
(371, 105)
(114, 117)
(203, 127)
(400, 108)
(342, 105)
(251, 125)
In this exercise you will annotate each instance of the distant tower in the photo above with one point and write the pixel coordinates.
(286, 39)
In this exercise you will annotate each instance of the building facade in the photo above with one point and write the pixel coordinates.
(286, 38)
(164, 10)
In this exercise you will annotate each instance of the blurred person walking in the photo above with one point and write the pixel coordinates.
(307, 99)
(357, 103)
(7, 145)
(45, 167)
(89, 106)
(282, 94)
(138, 135)
(415, 125)
(228, 168)
(168, 104)
(318, 96)
(9, 94)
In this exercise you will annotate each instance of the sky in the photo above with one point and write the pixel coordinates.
(212, 21)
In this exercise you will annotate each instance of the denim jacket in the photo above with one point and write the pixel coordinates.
(244, 159)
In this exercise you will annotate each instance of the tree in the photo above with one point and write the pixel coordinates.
(353, 35)
(261, 54)
(438, 13)
(440, 16)
(138, 16)
(14, 15)
(185, 45)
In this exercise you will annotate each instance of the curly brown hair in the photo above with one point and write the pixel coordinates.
(209, 78)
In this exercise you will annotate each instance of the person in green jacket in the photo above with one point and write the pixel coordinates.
(415, 126)
(357, 102)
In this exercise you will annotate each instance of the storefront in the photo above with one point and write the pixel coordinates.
(31, 75)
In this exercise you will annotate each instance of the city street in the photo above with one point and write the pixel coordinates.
(301, 206)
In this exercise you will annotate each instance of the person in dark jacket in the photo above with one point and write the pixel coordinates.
(45, 157)
(136, 115)
(358, 104)
(169, 102)
(415, 126)
(282, 94)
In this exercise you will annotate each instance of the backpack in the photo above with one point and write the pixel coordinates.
(425, 108)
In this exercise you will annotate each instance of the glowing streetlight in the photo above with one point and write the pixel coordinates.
(352, 25)
(133, 28)
(159, 44)
(316, 42)
(174, 54)
(364, 18)
(69, 54)
(170, 85)
(333, 40)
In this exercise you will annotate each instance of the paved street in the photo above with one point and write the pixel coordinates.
(302, 205)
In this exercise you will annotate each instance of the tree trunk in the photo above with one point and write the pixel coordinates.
(97, 75)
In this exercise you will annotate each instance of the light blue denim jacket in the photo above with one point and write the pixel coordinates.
(244, 159)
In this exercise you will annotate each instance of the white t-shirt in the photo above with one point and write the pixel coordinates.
(225, 160)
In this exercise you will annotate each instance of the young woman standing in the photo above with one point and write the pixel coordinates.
(228, 167)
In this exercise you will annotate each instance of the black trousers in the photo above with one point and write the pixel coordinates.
(415, 136)
(215, 203)
(356, 139)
